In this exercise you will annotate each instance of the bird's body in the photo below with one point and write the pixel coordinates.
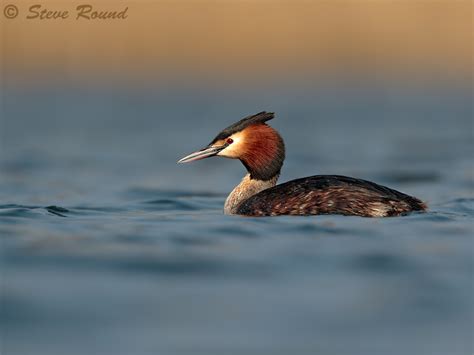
(329, 194)
(262, 151)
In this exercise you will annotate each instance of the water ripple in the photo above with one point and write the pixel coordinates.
(13, 210)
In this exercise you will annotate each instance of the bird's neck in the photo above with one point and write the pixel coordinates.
(262, 156)
(246, 189)
(263, 153)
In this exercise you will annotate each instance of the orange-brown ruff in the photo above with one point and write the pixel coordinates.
(262, 151)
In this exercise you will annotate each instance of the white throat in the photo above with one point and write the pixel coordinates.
(246, 189)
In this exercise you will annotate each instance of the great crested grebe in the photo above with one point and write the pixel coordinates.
(262, 151)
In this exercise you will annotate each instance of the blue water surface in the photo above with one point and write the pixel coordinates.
(109, 247)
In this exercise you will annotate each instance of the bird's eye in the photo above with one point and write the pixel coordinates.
(229, 141)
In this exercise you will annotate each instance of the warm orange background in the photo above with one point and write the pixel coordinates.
(242, 40)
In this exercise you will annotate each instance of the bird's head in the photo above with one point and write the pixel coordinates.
(257, 145)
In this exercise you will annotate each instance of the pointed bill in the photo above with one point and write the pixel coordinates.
(201, 154)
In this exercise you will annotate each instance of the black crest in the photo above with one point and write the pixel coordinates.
(260, 117)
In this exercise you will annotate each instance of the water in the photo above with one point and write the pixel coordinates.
(109, 247)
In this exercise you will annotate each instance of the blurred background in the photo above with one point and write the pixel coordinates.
(109, 247)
